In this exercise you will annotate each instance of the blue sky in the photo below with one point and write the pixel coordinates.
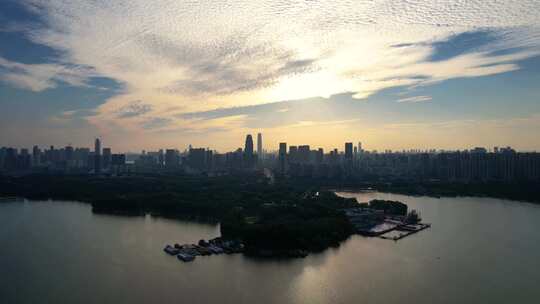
(398, 75)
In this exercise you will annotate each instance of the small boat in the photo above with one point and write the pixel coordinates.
(204, 251)
(185, 257)
(171, 250)
(215, 249)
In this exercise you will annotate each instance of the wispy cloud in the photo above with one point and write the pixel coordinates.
(415, 99)
(137, 108)
(39, 77)
(203, 55)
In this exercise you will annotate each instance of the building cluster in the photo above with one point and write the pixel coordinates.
(202, 160)
(67, 159)
(296, 161)
(478, 164)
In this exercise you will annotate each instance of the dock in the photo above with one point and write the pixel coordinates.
(403, 231)
(188, 252)
(10, 199)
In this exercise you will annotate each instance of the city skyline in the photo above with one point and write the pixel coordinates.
(351, 163)
(274, 148)
(399, 75)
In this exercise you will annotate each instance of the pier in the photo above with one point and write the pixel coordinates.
(403, 231)
(376, 223)
(188, 252)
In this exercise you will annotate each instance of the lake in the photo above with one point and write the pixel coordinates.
(479, 250)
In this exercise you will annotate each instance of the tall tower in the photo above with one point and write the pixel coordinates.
(282, 156)
(259, 146)
(348, 151)
(97, 156)
(248, 151)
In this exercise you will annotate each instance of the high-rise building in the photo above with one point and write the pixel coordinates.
(360, 147)
(303, 153)
(24, 160)
(259, 147)
(282, 156)
(36, 156)
(348, 151)
(118, 159)
(248, 151)
(293, 154)
(171, 158)
(197, 158)
(107, 154)
(68, 153)
(97, 156)
(320, 156)
(10, 159)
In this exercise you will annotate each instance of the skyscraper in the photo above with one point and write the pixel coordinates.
(106, 158)
(36, 156)
(303, 153)
(282, 150)
(248, 151)
(282, 155)
(259, 147)
(97, 156)
(348, 151)
(171, 158)
(197, 158)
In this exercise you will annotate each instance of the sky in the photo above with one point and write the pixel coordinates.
(403, 74)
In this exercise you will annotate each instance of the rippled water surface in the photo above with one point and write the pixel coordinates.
(477, 251)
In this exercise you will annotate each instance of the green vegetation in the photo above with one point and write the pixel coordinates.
(271, 219)
(519, 191)
(389, 207)
(527, 191)
(301, 221)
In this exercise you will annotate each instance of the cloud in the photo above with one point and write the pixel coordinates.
(134, 109)
(204, 55)
(415, 99)
(156, 123)
(39, 77)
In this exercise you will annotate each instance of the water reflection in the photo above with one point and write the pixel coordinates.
(478, 250)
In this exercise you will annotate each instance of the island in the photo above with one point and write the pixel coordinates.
(258, 216)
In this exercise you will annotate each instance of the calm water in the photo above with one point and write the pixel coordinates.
(478, 251)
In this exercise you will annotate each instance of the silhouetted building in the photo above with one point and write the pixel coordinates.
(348, 151)
(259, 147)
(303, 155)
(248, 152)
(197, 158)
(118, 159)
(36, 156)
(172, 159)
(97, 156)
(293, 154)
(106, 158)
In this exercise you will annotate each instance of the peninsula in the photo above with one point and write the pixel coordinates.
(269, 218)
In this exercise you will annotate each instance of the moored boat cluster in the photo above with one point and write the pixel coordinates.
(188, 252)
